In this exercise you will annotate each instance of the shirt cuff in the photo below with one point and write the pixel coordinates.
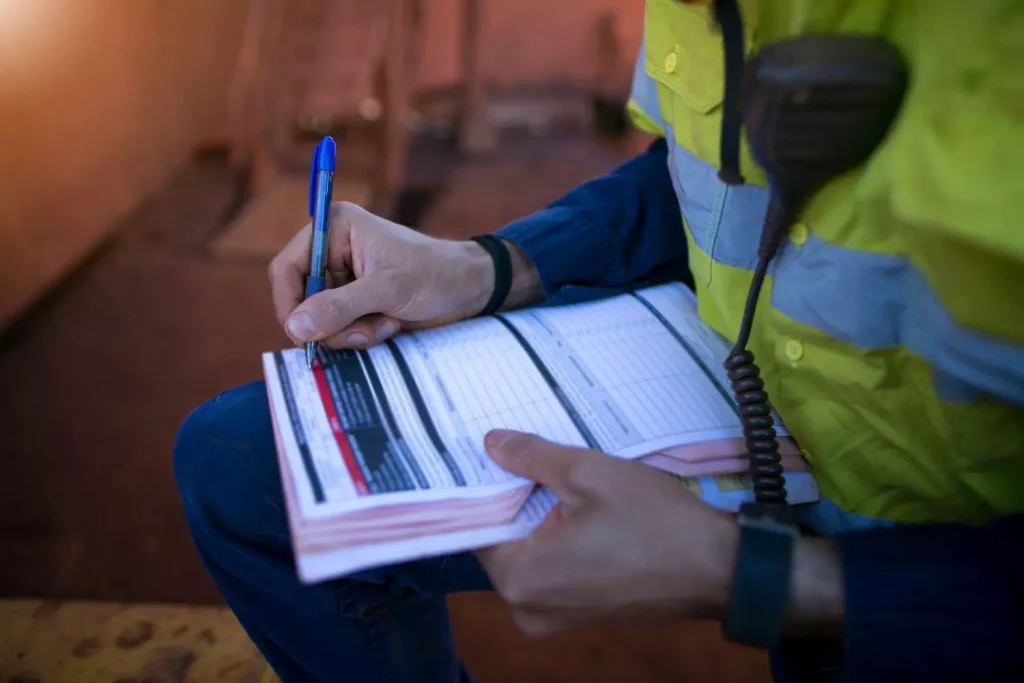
(926, 603)
(565, 248)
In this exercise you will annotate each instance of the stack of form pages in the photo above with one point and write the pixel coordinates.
(381, 450)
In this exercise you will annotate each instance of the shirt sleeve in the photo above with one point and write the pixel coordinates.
(934, 603)
(616, 232)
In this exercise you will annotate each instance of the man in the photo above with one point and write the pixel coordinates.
(889, 338)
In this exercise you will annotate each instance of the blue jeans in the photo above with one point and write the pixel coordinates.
(389, 624)
(385, 625)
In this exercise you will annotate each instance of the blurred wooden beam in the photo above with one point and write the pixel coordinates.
(395, 83)
(310, 67)
(476, 133)
(244, 108)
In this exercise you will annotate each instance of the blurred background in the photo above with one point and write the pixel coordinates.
(153, 158)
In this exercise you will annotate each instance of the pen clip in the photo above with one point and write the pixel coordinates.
(312, 177)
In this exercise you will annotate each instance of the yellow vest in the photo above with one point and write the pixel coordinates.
(890, 333)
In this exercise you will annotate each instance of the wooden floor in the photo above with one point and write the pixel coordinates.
(108, 642)
(86, 642)
(94, 385)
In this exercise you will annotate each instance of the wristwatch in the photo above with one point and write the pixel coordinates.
(760, 589)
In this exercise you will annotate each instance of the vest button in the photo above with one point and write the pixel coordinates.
(798, 234)
(670, 62)
(794, 350)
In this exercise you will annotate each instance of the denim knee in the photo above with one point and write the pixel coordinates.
(225, 465)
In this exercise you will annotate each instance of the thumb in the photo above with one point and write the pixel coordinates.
(560, 468)
(329, 312)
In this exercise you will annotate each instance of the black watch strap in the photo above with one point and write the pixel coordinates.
(760, 591)
(502, 271)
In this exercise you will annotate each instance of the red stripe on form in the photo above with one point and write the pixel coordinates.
(339, 434)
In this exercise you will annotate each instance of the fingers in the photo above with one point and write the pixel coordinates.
(287, 274)
(365, 332)
(563, 469)
(497, 559)
(331, 312)
(289, 268)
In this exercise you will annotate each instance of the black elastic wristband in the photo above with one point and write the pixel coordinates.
(502, 271)
(760, 591)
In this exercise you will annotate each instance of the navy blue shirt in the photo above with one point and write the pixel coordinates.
(923, 602)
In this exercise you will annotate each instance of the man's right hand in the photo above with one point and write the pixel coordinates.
(384, 277)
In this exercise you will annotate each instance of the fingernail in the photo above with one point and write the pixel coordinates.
(301, 326)
(386, 329)
(497, 438)
(356, 339)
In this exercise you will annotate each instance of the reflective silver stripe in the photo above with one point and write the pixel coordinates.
(881, 300)
(644, 91)
(717, 212)
(867, 299)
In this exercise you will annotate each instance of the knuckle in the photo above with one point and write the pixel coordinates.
(521, 585)
(519, 448)
(344, 210)
(516, 590)
(531, 626)
(516, 442)
(276, 268)
(334, 309)
(327, 309)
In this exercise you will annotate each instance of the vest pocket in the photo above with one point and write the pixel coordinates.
(683, 54)
(736, 223)
(695, 183)
(724, 221)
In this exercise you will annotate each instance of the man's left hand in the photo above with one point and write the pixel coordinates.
(626, 541)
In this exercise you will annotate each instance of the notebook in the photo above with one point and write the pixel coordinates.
(381, 450)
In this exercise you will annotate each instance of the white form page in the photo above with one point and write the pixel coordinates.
(409, 416)
(637, 379)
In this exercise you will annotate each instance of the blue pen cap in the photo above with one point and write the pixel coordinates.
(324, 159)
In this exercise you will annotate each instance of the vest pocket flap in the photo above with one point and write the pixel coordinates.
(683, 51)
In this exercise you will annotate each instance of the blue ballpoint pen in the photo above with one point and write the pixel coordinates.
(321, 185)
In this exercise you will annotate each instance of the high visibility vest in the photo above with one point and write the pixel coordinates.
(890, 333)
